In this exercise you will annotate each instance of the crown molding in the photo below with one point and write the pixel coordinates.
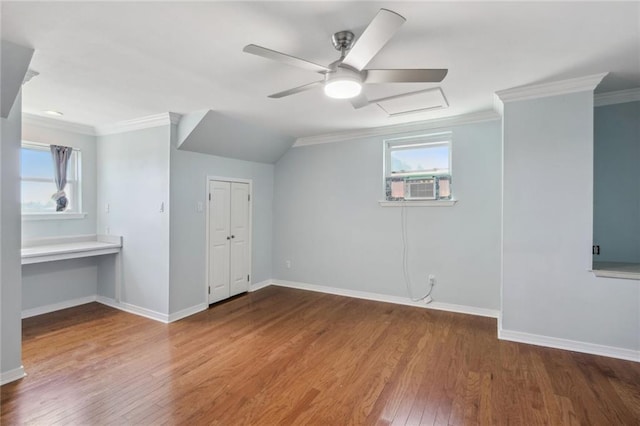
(488, 115)
(619, 97)
(163, 119)
(555, 88)
(29, 119)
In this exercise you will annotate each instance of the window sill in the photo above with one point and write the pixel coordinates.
(421, 203)
(52, 216)
(627, 271)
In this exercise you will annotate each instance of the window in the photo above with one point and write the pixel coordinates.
(418, 168)
(37, 180)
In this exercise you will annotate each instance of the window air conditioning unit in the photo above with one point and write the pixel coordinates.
(420, 189)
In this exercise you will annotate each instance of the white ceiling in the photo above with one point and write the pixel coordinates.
(101, 63)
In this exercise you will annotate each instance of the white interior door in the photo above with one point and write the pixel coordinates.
(239, 237)
(219, 240)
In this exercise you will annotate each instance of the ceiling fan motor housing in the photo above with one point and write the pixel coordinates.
(343, 40)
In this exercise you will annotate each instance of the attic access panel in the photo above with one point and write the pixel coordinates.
(424, 100)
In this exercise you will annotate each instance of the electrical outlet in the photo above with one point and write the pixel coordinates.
(431, 280)
(199, 207)
(288, 264)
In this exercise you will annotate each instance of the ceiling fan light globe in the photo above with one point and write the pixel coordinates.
(342, 88)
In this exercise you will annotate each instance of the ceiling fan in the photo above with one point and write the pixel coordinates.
(343, 78)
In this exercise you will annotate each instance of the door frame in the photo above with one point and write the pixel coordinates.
(207, 227)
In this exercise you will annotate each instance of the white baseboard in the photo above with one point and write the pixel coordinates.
(187, 312)
(261, 284)
(569, 345)
(12, 375)
(440, 306)
(32, 312)
(133, 309)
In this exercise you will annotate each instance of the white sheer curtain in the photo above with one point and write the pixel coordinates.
(60, 155)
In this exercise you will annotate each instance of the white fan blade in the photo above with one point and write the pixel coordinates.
(406, 76)
(297, 89)
(383, 26)
(282, 57)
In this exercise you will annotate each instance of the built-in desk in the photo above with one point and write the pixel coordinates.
(74, 247)
(61, 248)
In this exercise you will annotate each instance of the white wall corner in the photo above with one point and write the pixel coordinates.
(157, 120)
(618, 97)
(260, 285)
(543, 90)
(12, 375)
(188, 312)
(568, 345)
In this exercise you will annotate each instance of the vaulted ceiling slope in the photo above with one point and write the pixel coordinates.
(105, 62)
(210, 132)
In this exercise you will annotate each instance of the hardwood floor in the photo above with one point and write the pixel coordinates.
(283, 356)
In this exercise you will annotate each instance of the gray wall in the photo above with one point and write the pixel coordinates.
(547, 288)
(328, 223)
(63, 227)
(133, 178)
(616, 221)
(189, 171)
(10, 269)
(55, 282)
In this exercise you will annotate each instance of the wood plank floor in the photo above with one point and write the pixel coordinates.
(283, 356)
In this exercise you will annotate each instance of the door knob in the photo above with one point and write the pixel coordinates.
(233, 236)
(228, 238)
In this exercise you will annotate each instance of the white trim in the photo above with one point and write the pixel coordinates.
(569, 345)
(543, 90)
(618, 97)
(188, 312)
(608, 273)
(260, 285)
(133, 309)
(29, 119)
(163, 119)
(40, 310)
(174, 117)
(476, 117)
(12, 375)
(29, 217)
(424, 203)
(398, 300)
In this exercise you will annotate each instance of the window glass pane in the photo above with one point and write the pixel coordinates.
(36, 197)
(36, 163)
(429, 159)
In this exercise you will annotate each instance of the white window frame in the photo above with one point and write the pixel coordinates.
(75, 209)
(411, 142)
